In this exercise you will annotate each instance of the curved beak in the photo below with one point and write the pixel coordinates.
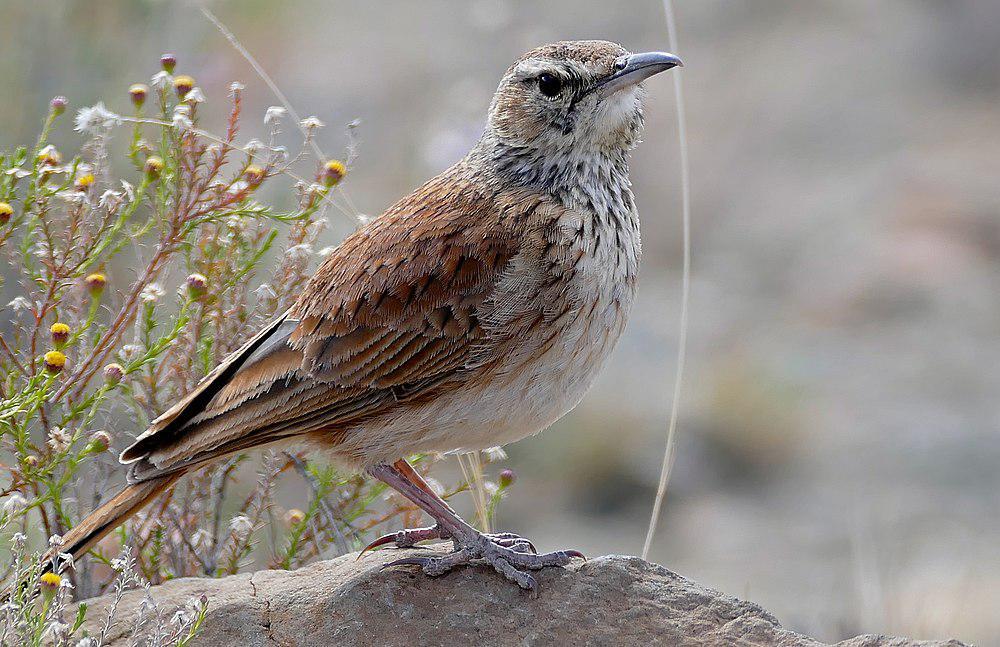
(634, 69)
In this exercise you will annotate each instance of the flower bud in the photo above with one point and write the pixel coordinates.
(60, 334)
(113, 373)
(507, 477)
(84, 182)
(294, 517)
(168, 62)
(332, 173)
(55, 361)
(31, 460)
(138, 92)
(49, 583)
(196, 285)
(100, 441)
(183, 84)
(6, 211)
(58, 105)
(254, 175)
(95, 283)
(153, 167)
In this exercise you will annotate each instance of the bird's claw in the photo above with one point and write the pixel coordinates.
(405, 538)
(509, 554)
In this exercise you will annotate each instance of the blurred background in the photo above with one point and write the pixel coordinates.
(838, 446)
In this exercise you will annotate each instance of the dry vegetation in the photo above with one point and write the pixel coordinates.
(107, 332)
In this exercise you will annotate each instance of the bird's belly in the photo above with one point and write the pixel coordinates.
(523, 397)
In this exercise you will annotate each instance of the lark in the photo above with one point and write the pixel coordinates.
(474, 312)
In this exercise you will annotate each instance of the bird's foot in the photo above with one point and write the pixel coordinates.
(509, 554)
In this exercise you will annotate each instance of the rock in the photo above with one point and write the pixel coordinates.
(610, 600)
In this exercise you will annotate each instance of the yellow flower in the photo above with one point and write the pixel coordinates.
(50, 584)
(95, 283)
(332, 173)
(138, 92)
(294, 517)
(55, 361)
(60, 333)
(153, 167)
(183, 84)
(49, 156)
(6, 211)
(84, 182)
(254, 175)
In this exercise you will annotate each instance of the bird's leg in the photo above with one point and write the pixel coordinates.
(409, 537)
(507, 553)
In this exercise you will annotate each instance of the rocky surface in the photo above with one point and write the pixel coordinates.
(611, 600)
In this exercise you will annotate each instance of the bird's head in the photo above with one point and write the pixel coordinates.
(574, 96)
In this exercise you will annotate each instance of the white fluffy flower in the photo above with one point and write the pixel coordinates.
(182, 118)
(311, 123)
(96, 120)
(241, 526)
(274, 114)
(151, 293)
(265, 291)
(494, 454)
(59, 439)
(161, 79)
(299, 252)
(195, 96)
(19, 304)
(14, 504)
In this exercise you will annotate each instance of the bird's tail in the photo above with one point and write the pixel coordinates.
(112, 513)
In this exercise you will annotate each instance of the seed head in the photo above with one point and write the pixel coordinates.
(55, 361)
(168, 62)
(84, 182)
(332, 173)
(183, 84)
(49, 584)
(6, 211)
(95, 283)
(294, 517)
(507, 478)
(58, 105)
(254, 175)
(60, 334)
(100, 440)
(113, 373)
(153, 167)
(138, 92)
(196, 285)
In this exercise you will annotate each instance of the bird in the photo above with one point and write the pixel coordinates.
(472, 313)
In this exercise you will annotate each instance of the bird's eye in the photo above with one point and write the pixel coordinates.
(549, 84)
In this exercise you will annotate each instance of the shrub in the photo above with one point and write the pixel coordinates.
(136, 271)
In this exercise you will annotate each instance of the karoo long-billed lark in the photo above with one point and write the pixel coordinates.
(474, 312)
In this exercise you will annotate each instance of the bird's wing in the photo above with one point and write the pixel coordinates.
(389, 316)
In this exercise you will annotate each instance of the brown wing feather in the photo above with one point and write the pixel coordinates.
(391, 314)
